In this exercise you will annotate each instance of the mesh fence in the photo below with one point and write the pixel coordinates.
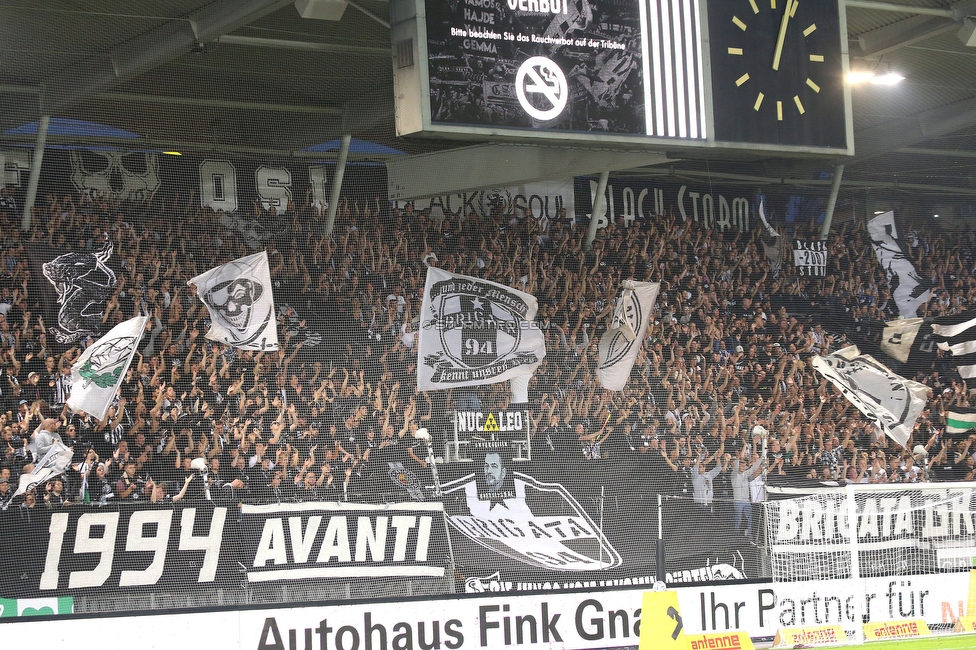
(317, 481)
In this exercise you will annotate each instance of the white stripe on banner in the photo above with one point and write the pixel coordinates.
(384, 571)
(966, 372)
(673, 59)
(966, 347)
(949, 331)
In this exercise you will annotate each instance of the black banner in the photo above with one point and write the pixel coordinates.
(101, 550)
(73, 287)
(86, 550)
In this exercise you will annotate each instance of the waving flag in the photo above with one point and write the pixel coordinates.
(55, 462)
(475, 332)
(99, 371)
(241, 305)
(891, 401)
(960, 419)
(956, 335)
(908, 288)
(621, 343)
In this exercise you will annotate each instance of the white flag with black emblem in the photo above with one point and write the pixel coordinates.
(910, 290)
(899, 336)
(99, 371)
(621, 342)
(475, 332)
(890, 400)
(241, 305)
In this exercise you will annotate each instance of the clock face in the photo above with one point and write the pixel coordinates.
(778, 72)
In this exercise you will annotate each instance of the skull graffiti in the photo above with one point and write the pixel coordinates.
(118, 174)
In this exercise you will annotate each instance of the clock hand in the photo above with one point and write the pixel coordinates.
(784, 24)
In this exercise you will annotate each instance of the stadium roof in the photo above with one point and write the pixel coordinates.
(253, 77)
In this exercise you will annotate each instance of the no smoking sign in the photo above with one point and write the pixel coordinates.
(541, 79)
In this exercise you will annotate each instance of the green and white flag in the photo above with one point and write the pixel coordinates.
(960, 419)
(96, 376)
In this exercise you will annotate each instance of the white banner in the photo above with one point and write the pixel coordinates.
(475, 332)
(898, 337)
(99, 371)
(590, 619)
(241, 305)
(890, 400)
(55, 462)
(909, 290)
(621, 343)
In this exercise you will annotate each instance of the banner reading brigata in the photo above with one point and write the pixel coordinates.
(905, 526)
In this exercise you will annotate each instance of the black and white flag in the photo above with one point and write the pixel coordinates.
(55, 462)
(73, 289)
(475, 332)
(772, 244)
(890, 400)
(810, 258)
(956, 334)
(899, 336)
(621, 343)
(908, 288)
(241, 305)
(98, 372)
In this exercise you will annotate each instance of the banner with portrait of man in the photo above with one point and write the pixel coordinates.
(495, 479)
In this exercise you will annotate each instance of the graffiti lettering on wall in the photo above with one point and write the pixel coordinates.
(631, 200)
(539, 200)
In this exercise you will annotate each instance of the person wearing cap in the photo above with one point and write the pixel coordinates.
(31, 390)
(920, 457)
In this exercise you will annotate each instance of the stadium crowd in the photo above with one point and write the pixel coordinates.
(723, 377)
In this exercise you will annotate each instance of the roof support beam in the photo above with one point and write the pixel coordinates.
(305, 46)
(168, 41)
(874, 44)
(498, 165)
(925, 23)
(902, 9)
(132, 98)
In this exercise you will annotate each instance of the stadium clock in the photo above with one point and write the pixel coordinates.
(777, 70)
